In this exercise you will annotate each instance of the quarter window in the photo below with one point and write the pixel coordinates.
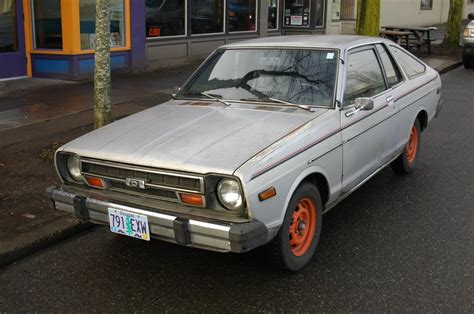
(364, 76)
(391, 70)
(410, 65)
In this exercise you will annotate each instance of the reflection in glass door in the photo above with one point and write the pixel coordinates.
(12, 45)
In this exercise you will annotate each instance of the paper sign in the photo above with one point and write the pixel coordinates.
(296, 20)
(330, 55)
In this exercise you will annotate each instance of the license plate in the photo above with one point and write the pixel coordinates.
(129, 224)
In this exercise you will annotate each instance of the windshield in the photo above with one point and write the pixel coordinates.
(305, 77)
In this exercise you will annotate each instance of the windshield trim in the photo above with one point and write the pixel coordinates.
(220, 51)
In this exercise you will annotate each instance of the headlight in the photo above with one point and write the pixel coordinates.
(74, 167)
(230, 194)
(468, 32)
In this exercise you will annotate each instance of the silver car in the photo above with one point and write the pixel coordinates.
(263, 139)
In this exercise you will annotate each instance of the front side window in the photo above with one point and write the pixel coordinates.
(207, 16)
(165, 18)
(296, 76)
(8, 32)
(272, 14)
(364, 76)
(241, 15)
(391, 70)
(426, 5)
(47, 29)
(410, 65)
(87, 23)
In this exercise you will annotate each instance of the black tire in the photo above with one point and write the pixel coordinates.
(467, 62)
(406, 162)
(280, 251)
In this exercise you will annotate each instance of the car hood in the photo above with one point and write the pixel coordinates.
(199, 137)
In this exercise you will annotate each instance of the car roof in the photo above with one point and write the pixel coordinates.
(341, 42)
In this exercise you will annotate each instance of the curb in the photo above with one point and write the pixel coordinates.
(450, 67)
(35, 244)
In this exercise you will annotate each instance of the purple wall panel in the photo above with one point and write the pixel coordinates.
(137, 29)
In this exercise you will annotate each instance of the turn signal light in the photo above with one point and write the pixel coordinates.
(268, 193)
(192, 199)
(95, 182)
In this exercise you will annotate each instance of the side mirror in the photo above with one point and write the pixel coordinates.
(364, 103)
(470, 16)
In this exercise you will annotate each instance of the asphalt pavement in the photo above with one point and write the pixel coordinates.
(399, 243)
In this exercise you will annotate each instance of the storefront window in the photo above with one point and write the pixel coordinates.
(207, 16)
(272, 14)
(241, 15)
(117, 23)
(8, 34)
(319, 13)
(47, 24)
(165, 18)
(297, 13)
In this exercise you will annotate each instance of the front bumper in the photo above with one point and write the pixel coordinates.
(222, 237)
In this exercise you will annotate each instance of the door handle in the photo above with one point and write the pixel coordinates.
(390, 99)
(350, 113)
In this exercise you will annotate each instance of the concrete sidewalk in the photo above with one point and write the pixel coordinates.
(39, 113)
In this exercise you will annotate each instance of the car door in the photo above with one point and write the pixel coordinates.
(368, 135)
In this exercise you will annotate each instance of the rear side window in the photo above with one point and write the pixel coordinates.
(391, 69)
(364, 76)
(410, 65)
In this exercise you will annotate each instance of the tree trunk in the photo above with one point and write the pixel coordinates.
(102, 82)
(453, 28)
(368, 17)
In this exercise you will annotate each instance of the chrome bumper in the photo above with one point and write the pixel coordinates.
(220, 237)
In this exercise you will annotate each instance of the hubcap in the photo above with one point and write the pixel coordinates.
(412, 146)
(302, 227)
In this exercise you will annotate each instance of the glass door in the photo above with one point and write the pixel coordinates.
(12, 39)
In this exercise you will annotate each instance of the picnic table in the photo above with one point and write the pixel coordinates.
(396, 36)
(419, 35)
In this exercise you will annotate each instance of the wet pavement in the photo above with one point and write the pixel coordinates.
(24, 106)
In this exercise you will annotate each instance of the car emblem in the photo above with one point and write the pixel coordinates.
(135, 183)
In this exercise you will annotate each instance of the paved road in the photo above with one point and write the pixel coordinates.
(397, 244)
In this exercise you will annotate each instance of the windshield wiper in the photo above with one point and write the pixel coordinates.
(275, 100)
(214, 97)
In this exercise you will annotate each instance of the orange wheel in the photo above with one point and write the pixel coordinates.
(406, 162)
(412, 147)
(302, 226)
(296, 241)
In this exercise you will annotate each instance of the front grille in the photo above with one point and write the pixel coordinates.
(162, 184)
(119, 186)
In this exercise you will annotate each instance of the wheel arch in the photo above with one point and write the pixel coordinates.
(317, 176)
(422, 118)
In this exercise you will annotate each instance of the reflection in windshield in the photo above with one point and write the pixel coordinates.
(296, 76)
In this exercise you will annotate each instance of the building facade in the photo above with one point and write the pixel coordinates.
(56, 38)
(403, 13)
